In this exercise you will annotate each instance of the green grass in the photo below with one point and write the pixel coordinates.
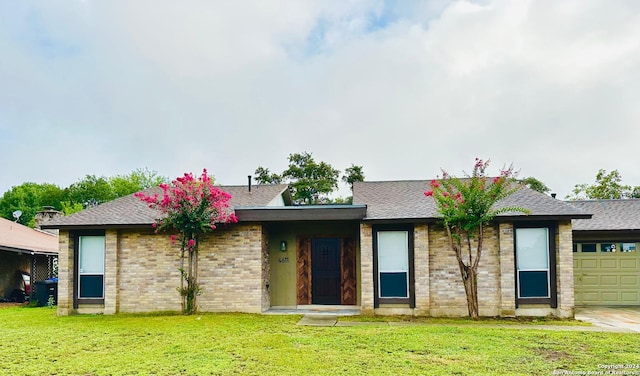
(34, 341)
(465, 320)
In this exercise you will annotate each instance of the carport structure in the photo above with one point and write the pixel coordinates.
(606, 253)
(23, 249)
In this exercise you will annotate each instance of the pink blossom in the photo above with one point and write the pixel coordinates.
(173, 239)
(191, 243)
(434, 183)
(445, 194)
(428, 193)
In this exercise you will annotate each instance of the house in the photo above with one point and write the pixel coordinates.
(385, 254)
(24, 250)
(606, 256)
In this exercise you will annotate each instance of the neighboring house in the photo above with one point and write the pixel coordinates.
(23, 249)
(606, 255)
(385, 254)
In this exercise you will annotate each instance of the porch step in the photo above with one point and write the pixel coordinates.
(318, 320)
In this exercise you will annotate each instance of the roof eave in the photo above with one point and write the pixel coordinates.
(28, 251)
(541, 217)
(300, 213)
(511, 218)
(99, 226)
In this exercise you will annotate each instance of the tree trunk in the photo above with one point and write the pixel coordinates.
(469, 273)
(470, 280)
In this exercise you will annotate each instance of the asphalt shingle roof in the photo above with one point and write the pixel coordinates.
(608, 215)
(129, 210)
(406, 200)
(15, 236)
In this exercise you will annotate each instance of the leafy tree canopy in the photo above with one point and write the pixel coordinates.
(86, 192)
(606, 187)
(29, 198)
(310, 181)
(535, 184)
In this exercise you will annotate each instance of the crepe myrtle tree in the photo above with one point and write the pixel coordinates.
(466, 206)
(193, 207)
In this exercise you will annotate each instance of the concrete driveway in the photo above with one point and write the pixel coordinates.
(611, 317)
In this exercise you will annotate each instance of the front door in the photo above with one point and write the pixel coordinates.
(325, 271)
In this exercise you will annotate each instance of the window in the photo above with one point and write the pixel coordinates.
(590, 247)
(535, 265)
(91, 267)
(628, 247)
(393, 265)
(608, 247)
(532, 252)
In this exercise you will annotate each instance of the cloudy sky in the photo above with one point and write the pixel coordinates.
(401, 88)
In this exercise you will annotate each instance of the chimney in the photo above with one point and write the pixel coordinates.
(47, 214)
(249, 179)
(553, 195)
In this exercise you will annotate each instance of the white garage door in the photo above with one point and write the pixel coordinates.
(606, 274)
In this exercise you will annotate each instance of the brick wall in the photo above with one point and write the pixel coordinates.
(564, 270)
(447, 296)
(366, 268)
(65, 273)
(439, 290)
(507, 271)
(420, 266)
(141, 272)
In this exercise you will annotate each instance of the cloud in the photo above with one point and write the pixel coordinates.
(402, 89)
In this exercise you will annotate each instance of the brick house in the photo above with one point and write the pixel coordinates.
(385, 254)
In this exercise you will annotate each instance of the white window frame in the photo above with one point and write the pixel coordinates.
(92, 273)
(382, 270)
(547, 269)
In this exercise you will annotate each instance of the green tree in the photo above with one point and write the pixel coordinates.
(466, 207)
(93, 190)
(264, 176)
(353, 174)
(310, 181)
(135, 181)
(90, 191)
(607, 186)
(535, 184)
(30, 198)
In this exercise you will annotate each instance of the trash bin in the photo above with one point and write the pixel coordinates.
(45, 290)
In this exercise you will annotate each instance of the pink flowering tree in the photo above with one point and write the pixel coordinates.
(193, 207)
(466, 207)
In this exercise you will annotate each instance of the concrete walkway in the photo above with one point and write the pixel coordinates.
(623, 318)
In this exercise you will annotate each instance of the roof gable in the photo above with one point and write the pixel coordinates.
(131, 211)
(608, 215)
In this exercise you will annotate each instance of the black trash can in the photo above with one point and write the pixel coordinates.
(46, 290)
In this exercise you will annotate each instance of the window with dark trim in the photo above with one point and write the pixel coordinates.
(393, 265)
(535, 253)
(89, 268)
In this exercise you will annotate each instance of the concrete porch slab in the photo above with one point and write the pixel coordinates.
(318, 320)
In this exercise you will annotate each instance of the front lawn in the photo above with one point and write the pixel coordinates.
(34, 341)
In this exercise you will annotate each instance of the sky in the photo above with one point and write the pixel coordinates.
(401, 88)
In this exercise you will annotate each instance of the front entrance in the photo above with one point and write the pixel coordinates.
(325, 271)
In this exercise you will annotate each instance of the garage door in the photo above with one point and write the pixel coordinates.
(606, 274)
